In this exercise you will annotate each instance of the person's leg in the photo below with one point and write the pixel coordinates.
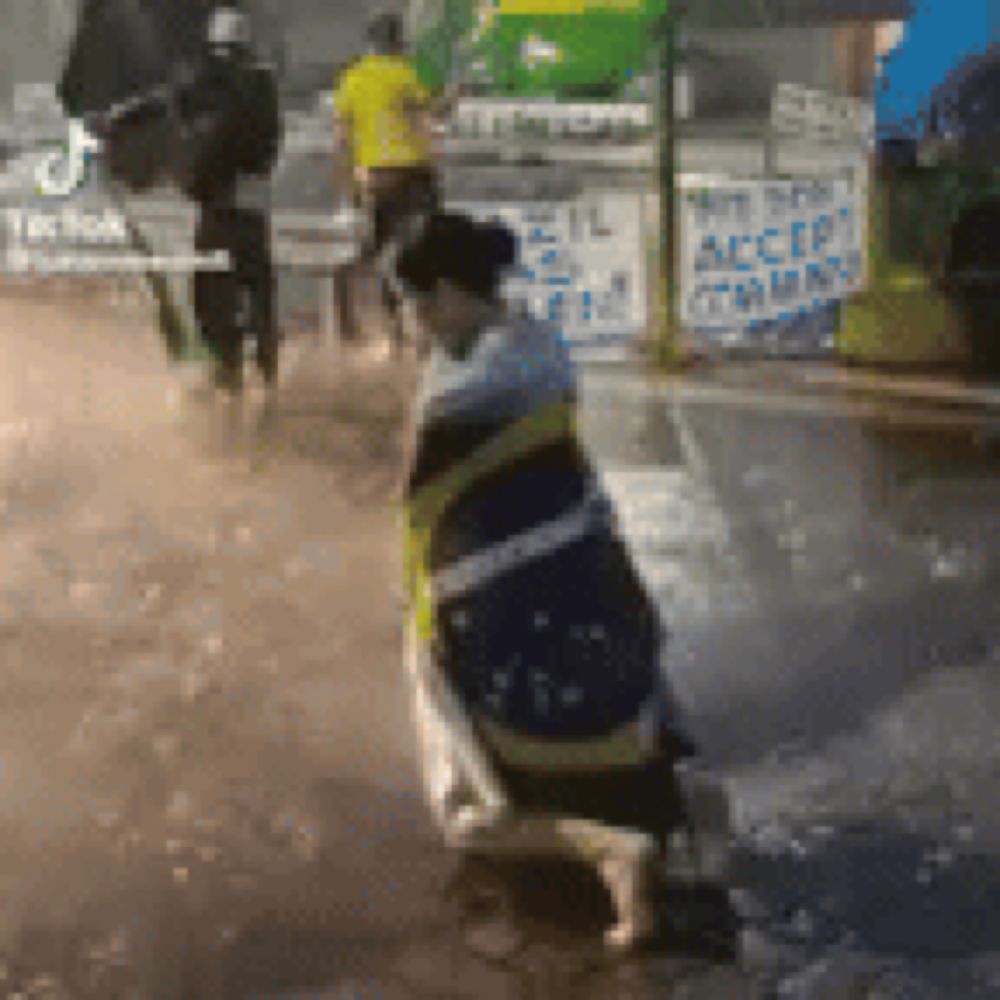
(385, 209)
(348, 276)
(457, 773)
(345, 284)
(625, 859)
(401, 196)
(417, 198)
(476, 817)
(261, 289)
(215, 300)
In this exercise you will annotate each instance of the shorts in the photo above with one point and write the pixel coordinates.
(393, 196)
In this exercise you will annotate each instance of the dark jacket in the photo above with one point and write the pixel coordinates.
(232, 126)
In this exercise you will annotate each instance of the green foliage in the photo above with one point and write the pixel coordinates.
(906, 317)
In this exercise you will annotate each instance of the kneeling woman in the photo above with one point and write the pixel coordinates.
(534, 650)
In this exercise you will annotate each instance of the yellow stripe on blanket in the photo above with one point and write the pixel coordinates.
(551, 423)
(626, 747)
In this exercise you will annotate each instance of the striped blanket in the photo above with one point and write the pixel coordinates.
(530, 627)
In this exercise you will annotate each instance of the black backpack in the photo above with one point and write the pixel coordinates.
(232, 127)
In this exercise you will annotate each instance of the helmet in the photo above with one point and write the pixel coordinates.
(228, 26)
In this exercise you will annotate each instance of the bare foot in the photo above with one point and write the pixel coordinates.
(630, 880)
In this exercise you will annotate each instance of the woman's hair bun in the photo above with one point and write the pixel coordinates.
(501, 245)
(454, 246)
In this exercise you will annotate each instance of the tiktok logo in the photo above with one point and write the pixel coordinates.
(65, 170)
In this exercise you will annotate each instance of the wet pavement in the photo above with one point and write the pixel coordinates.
(849, 698)
(208, 786)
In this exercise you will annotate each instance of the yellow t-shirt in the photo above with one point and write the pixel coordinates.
(378, 99)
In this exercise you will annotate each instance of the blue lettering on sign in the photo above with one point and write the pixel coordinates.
(762, 252)
(708, 255)
(732, 251)
(735, 245)
(818, 277)
(750, 295)
(822, 232)
(784, 285)
(797, 230)
(696, 298)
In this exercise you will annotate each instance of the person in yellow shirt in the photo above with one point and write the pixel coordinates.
(384, 117)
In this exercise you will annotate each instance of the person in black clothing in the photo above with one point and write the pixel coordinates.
(230, 112)
(174, 102)
(214, 129)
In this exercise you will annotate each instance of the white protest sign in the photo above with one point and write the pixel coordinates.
(762, 251)
(581, 263)
(805, 113)
(479, 117)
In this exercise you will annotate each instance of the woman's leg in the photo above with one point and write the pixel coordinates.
(463, 790)
(475, 816)
(624, 859)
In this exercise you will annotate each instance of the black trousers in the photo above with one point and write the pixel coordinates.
(230, 304)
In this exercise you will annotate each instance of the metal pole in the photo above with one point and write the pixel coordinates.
(667, 299)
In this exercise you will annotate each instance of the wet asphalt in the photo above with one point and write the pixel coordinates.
(828, 570)
(848, 697)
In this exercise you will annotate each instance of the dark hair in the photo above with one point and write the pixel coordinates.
(472, 254)
(385, 32)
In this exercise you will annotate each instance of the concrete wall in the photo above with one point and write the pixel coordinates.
(308, 38)
(34, 36)
(788, 13)
(318, 36)
(735, 71)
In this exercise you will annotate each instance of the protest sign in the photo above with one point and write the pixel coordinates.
(581, 262)
(757, 252)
